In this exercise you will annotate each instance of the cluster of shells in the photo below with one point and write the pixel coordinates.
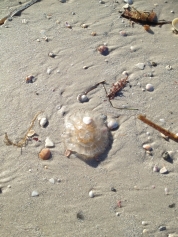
(86, 134)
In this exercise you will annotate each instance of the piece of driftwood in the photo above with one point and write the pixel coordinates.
(143, 17)
(171, 135)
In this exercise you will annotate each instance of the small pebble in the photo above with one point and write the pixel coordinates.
(43, 122)
(145, 231)
(91, 194)
(9, 186)
(149, 87)
(172, 11)
(166, 156)
(35, 194)
(133, 48)
(85, 67)
(84, 26)
(118, 213)
(24, 21)
(52, 55)
(166, 191)
(52, 180)
(49, 70)
(113, 189)
(112, 124)
(162, 228)
(173, 235)
(163, 170)
(49, 143)
(140, 66)
(162, 120)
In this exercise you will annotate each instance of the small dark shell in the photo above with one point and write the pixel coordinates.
(103, 50)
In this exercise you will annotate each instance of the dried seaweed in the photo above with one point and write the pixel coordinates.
(171, 135)
(142, 17)
(23, 141)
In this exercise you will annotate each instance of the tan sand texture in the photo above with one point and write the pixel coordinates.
(50, 198)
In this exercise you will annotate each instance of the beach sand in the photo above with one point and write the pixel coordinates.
(64, 208)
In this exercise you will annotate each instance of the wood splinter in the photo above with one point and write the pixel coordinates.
(171, 135)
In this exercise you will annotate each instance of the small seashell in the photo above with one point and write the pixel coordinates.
(82, 98)
(31, 133)
(147, 147)
(162, 120)
(140, 65)
(164, 136)
(123, 33)
(49, 143)
(91, 194)
(166, 191)
(126, 6)
(52, 55)
(149, 87)
(35, 194)
(133, 48)
(87, 120)
(49, 70)
(45, 154)
(103, 49)
(85, 67)
(175, 24)
(163, 170)
(168, 67)
(52, 180)
(43, 122)
(144, 223)
(68, 25)
(112, 124)
(30, 79)
(84, 26)
(125, 73)
(93, 33)
(145, 231)
(146, 27)
(155, 168)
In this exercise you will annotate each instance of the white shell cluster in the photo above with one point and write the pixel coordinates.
(86, 134)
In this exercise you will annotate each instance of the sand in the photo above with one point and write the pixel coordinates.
(127, 167)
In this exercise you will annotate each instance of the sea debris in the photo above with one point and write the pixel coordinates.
(24, 140)
(167, 133)
(86, 135)
(116, 87)
(17, 11)
(142, 17)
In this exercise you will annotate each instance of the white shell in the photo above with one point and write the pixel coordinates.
(163, 170)
(175, 24)
(87, 120)
(82, 98)
(144, 223)
(149, 87)
(112, 124)
(49, 143)
(35, 194)
(140, 65)
(155, 168)
(91, 194)
(43, 122)
(52, 180)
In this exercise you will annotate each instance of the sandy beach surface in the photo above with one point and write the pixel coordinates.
(130, 199)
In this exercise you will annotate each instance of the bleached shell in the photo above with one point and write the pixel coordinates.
(112, 124)
(43, 121)
(49, 143)
(149, 87)
(91, 194)
(82, 98)
(175, 24)
(86, 139)
(147, 147)
(45, 154)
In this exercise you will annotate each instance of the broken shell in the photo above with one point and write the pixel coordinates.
(49, 143)
(43, 122)
(45, 154)
(175, 24)
(82, 98)
(30, 79)
(163, 170)
(147, 147)
(155, 168)
(103, 49)
(31, 133)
